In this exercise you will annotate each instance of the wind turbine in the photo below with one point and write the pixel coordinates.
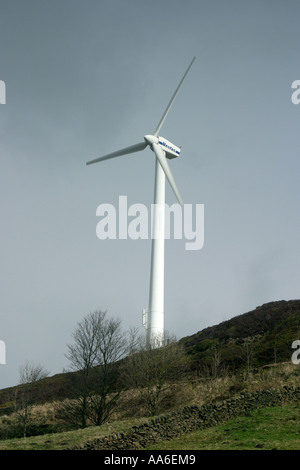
(162, 149)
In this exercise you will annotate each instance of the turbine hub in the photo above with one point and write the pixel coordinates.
(151, 139)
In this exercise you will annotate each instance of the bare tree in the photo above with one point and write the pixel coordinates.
(111, 348)
(98, 343)
(82, 354)
(29, 374)
(247, 351)
(215, 362)
(150, 368)
(213, 366)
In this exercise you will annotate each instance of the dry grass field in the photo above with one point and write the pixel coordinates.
(131, 412)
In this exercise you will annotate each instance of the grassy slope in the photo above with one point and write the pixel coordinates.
(63, 440)
(270, 428)
(267, 429)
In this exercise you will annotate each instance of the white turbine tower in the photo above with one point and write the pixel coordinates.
(163, 149)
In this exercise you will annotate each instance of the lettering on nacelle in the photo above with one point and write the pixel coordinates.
(169, 147)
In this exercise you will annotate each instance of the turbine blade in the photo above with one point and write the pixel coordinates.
(133, 148)
(160, 154)
(172, 100)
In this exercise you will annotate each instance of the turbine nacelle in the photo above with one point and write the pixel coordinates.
(171, 150)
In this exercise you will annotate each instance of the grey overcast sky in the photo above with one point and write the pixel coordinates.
(84, 78)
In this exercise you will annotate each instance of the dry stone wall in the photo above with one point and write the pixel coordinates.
(191, 418)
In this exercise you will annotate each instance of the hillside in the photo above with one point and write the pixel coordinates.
(270, 330)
